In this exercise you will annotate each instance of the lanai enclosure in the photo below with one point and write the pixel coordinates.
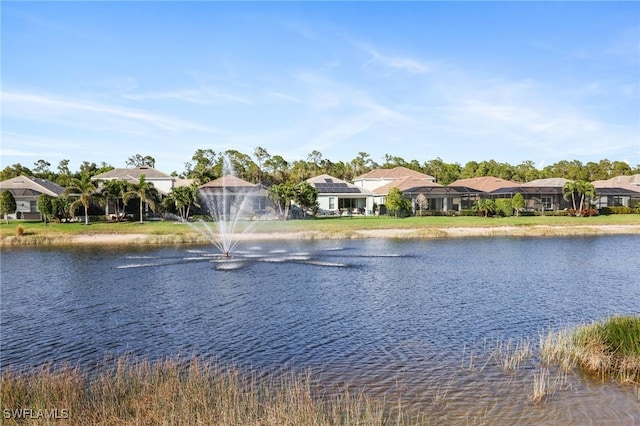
(230, 195)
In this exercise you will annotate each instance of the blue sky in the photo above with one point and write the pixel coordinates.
(509, 81)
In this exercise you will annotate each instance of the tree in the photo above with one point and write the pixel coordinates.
(203, 170)
(485, 206)
(518, 203)
(569, 190)
(140, 161)
(61, 208)
(396, 202)
(14, 171)
(585, 189)
(145, 192)
(306, 196)
(85, 190)
(113, 190)
(45, 206)
(7, 204)
(281, 195)
(504, 207)
(182, 198)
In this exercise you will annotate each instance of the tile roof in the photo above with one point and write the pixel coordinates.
(406, 184)
(485, 183)
(228, 181)
(133, 174)
(632, 179)
(395, 173)
(549, 183)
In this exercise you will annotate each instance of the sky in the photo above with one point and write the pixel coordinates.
(460, 81)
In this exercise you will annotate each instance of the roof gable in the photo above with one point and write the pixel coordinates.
(228, 181)
(394, 173)
(42, 186)
(406, 184)
(485, 183)
(133, 174)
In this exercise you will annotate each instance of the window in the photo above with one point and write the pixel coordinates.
(332, 203)
(547, 202)
(33, 206)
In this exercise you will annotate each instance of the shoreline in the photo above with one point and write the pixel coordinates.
(108, 239)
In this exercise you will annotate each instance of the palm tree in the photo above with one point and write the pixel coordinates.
(485, 205)
(114, 189)
(85, 190)
(585, 188)
(569, 190)
(143, 190)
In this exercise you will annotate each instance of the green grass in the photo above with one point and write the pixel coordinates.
(607, 349)
(428, 227)
(192, 391)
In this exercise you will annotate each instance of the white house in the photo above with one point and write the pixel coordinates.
(26, 190)
(336, 196)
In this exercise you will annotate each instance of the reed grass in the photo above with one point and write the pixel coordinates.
(185, 392)
(609, 349)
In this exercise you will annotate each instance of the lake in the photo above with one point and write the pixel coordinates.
(411, 320)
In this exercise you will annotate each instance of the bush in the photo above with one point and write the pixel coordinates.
(20, 231)
(616, 210)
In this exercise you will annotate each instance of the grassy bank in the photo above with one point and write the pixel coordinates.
(167, 232)
(188, 392)
(606, 349)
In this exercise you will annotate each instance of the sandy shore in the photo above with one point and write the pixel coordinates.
(426, 233)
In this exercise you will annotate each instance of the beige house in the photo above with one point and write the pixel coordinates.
(229, 195)
(620, 191)
(160, 180)
(26, 190)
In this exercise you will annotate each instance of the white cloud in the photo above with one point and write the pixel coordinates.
(393, 62)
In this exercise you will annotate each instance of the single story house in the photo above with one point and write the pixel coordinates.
(336, 196)
(425, 194)
(26, 190)
(470, 190)
(229, 195)
(620, 191)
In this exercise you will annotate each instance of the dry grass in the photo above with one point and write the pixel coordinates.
(185, 392)
(607, 349)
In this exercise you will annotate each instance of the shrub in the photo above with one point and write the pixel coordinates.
(20, 231)
(616, 210)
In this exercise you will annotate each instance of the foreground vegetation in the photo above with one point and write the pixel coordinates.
(163, 232)
(607, 349)
(177, 391)
(183, 392)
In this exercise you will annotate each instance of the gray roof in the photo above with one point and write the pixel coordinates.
(326, 184)
(32, 186)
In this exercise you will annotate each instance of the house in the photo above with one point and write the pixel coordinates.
(380, 177)
(229, 196)
(421, 188)
(160, 180)
(336, 196)
(620, 191)
(540, 194)
(26, 190)
(425, 194)
(471, 190)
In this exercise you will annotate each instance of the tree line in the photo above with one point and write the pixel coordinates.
(262, 167)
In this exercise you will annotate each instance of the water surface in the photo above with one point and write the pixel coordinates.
(400, 318)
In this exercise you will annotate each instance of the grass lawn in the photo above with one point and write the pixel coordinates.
(324, 225)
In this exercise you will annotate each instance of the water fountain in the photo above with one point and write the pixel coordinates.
(228, 199)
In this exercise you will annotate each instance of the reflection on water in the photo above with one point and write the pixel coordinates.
(408, 320)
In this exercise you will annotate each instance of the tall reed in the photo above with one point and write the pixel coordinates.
(184, 392)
